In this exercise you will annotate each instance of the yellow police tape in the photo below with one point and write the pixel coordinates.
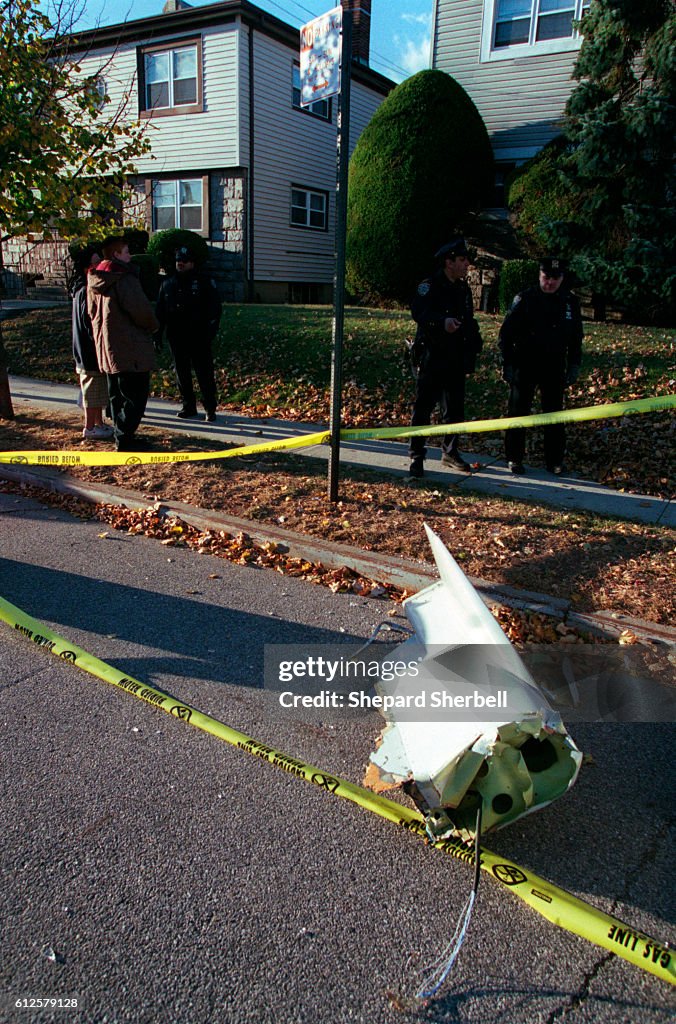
(547, 899)
(591, 412)
(541, 419)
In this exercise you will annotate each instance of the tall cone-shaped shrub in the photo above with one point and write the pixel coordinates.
(422, 163)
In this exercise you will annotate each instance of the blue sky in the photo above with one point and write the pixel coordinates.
(400, 29)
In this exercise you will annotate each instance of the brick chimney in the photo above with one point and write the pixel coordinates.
(171, 6)
(361, 28)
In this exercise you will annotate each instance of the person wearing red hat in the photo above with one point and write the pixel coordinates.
(123, 323)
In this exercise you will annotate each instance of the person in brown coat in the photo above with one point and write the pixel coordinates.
(123, 324)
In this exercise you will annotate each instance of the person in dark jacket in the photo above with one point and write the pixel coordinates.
(541, 347)
(93, 385)
(189, 307)
(123, 324)
(447, 344)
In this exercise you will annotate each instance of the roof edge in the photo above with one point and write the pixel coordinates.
(185, 21)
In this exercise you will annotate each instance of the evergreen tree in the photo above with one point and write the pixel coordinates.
(536, 196)
(422, 163)
(618, 170)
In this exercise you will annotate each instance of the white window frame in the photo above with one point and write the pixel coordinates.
(309, 193)
(202, 180)
(533, 47)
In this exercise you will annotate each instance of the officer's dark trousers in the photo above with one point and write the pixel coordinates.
(128, 394)
(521, 398)
(447, 389)
(197, 355)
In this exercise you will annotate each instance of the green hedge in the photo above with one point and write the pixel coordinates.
(163, 245)
(422, 163)
(515, 275)
(536, 197)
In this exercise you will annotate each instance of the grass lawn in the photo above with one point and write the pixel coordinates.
(275, 360)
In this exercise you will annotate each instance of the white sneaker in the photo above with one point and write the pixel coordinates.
(100, 432)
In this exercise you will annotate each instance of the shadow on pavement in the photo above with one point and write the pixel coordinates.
(178, 636)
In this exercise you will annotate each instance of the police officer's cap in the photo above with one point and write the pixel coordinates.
(553, 266)
(456, 247)
(184, 254)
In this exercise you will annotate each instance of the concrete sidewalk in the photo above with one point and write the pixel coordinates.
(570, 492)
(9, 308)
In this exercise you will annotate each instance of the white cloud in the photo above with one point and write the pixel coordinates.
(414, 54)
(417, 19)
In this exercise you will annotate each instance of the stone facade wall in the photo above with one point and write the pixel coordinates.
(227, 206)
(38, 263)
(43, 264)
(483, 280)
(227, 213)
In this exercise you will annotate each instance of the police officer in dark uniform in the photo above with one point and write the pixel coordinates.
(445, 349)
(189, 307)
(541, 346)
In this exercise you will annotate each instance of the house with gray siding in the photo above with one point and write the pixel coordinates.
(514, 58)
(233, 156)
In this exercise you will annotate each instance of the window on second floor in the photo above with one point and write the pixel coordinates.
(171, 78)
(518, 27)
(322, 108)
(180, 203)
(101, 92)
(309, 208)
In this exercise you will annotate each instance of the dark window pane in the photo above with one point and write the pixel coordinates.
(317, 219)
(298, 216)
(164, 218)
(509, 33)
(555, 26)
(321, 109)
(191, 218)
(185, 91)
(158, 95)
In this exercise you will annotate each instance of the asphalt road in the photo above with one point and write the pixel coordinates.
(158, 875)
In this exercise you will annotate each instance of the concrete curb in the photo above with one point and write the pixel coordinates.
(404, 573)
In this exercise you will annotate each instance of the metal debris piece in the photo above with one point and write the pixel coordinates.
(516, 763)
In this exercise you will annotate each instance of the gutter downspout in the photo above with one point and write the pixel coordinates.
(251, 204)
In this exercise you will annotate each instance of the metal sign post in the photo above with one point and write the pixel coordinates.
(320, 77)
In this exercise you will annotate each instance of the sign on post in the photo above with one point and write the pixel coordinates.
(320, 53)
(325, 69)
